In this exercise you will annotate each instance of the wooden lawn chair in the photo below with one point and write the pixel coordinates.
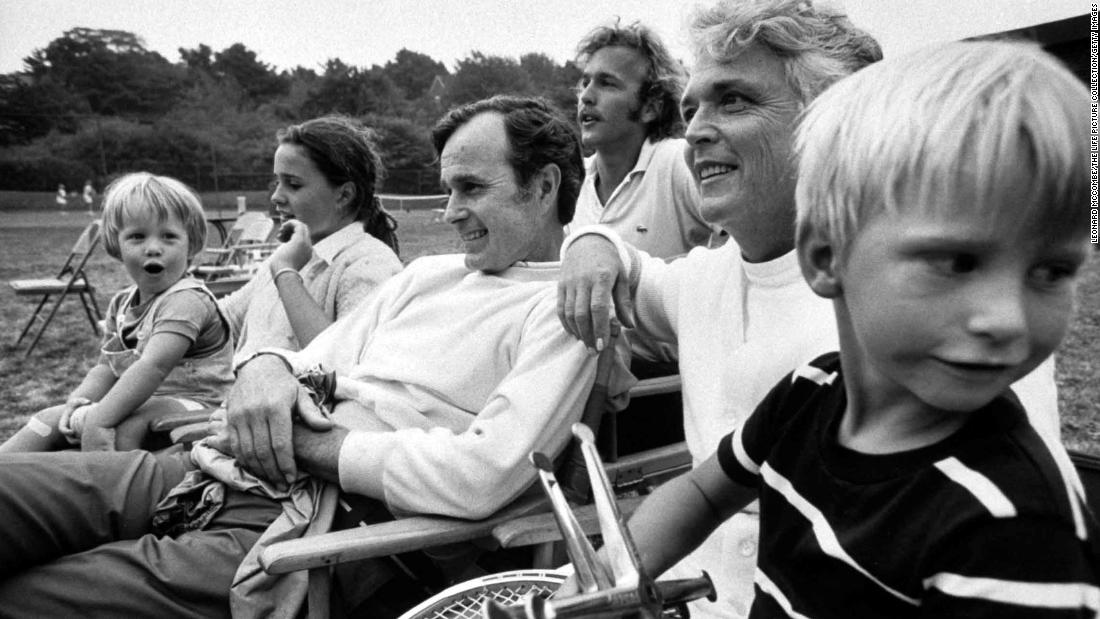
(70, 279)
(507, 528)
(215, 256)
(183, 428)
(226, 268)
(621, 586)
(249, 227)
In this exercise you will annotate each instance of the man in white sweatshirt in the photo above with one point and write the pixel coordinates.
(461, 370)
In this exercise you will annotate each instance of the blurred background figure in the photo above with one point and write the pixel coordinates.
(62, 198)
(89, 197)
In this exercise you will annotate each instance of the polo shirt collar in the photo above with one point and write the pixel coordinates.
(330, 246)
(645, 156)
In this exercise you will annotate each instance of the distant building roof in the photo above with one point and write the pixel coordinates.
(1068, 39)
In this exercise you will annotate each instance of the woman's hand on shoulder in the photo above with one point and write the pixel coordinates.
(593, 289)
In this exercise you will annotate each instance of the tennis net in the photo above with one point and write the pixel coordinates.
(394, 201)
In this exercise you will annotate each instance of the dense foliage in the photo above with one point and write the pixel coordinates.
(96, 103)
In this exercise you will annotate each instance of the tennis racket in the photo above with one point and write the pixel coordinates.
(465, 599)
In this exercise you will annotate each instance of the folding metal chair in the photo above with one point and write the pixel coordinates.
(622, 586)
(70, 279)
(229, 267)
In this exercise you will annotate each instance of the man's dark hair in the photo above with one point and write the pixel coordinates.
(538, 134)
(664, 75)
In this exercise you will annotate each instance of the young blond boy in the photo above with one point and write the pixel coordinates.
(167, 347)
(942, 207)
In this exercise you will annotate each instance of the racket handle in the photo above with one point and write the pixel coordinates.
(680, 590)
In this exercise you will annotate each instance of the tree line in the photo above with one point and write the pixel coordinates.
(95, 103)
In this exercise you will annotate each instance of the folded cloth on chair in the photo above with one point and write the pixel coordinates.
(308, 506)
(190, 506)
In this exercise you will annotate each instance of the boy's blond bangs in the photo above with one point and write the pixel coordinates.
(947, 127)
(140, 193)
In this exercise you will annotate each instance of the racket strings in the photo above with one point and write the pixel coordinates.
(467, 603)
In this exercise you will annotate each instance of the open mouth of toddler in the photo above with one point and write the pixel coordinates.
(154, 269)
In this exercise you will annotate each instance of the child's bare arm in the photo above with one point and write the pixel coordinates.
(163, 353)
(97, 382)
(682, 513)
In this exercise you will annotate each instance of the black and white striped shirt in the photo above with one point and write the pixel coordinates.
(988, 522)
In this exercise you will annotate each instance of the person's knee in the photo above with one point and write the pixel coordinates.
(40, 433)
(50, 415)
(44, 422)
(132, 434)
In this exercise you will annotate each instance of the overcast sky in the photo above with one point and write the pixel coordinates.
(288, 33)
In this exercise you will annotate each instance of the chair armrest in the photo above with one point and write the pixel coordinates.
(387, 538)
(176, 420)
(648, 468)
(263, 246)
(189, 433)
(543, 527)
(653, 386)
(217, 270)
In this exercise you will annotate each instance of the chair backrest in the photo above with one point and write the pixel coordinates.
(571, 472)
(254, 228)
(88, 239)
(82, 250)
(232, 237)
(250, 232)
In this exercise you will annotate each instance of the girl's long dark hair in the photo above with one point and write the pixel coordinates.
(346, 151)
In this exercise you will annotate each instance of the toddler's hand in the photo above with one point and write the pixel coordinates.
(296, 249)
(71, 423)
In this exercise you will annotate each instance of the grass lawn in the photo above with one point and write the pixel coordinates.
(35, 243)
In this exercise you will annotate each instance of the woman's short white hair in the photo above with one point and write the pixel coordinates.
(816, 42)
(942, 127)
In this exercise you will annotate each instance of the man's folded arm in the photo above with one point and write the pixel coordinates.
(473, 473)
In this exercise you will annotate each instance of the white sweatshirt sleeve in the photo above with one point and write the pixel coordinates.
(473, 473)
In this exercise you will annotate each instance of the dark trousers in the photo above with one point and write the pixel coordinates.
(75, 539)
